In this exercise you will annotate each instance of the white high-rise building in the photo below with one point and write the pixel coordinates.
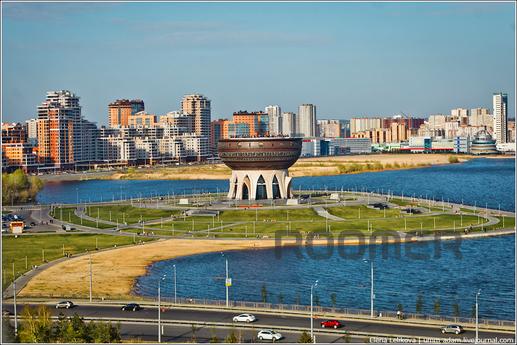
(289, 124)
(500, 103)
(198, 106)
(306, 123)
(274, 113)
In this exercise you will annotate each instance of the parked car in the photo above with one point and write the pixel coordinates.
(6, 312)
(269, 334)
(331, 324)
(244, 318)
(131, 307)
(456, 329)
(33, 224)
(65, 304)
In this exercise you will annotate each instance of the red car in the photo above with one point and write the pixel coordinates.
(331, 324)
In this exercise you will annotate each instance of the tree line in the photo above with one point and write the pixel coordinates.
(17, 187)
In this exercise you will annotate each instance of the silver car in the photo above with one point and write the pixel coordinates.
(456, 329)
(244, 318)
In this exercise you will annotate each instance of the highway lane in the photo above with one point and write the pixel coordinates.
(280, 321)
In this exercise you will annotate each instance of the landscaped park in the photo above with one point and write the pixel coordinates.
(205, 223)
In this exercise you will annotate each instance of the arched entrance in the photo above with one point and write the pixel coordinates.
(246, 183)
(276, 189)
(261, 189)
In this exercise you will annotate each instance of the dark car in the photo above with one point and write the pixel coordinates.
(331, 324)
(33, 224)
(131, 307)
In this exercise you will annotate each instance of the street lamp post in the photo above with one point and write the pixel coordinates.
(312, 314)
(14, 301)
(160, 310)
(477, 316)
(372, 294)
(175, 290)
(227, 284)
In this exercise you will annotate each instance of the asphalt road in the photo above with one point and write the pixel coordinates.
(223, 319)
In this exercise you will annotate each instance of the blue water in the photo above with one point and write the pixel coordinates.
(486, 264)
(484, 182)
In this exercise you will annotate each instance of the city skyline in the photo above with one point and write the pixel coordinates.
(166, 56)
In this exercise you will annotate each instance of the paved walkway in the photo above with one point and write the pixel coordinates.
(322, 212)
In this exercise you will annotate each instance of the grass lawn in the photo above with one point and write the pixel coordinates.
(361, 212)
(269, 215)
(253, 229)
(34, 247)
(67, 214)
(127, 213)
(509, 222)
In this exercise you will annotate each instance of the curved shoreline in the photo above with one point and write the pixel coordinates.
(116, 271)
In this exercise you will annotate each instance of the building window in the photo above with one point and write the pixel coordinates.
(261, 189)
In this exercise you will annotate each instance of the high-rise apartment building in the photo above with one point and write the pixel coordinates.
(289, 124)
(275, 119)
(142, 119)
(120, 111)
(32, 131)
(198, 106)
(329, 128)
(481, 117)
(500, 104)
(360, 124)
(60, 137)
(461, 115)
(306, 121)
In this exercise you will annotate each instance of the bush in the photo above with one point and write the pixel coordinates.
(305, 338)
(453, 159)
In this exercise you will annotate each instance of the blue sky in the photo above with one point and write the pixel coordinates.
(349, 59)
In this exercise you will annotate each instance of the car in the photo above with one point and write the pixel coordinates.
(6, 312)
(33, 224)
(131, 307)
(244, 318)
(269, 334)
(65, 304)
(331, 324)
(456, 329)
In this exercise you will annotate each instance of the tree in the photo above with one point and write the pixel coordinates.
(419, 303)
(263, 293)
(305, 338)
(400, 307)
(17, 187)
(333, 299)
(36, 326)
(456, 309)
(437, 306)
(231, 338)
(213, 336)
(280, 298)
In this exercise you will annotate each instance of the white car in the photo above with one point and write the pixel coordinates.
(64, 304)
(269, 334)
(244, 318)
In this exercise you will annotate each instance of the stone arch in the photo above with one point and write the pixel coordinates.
(276, 188)
(261, 191)
(234, 185)
(246, 188)
(288, 189)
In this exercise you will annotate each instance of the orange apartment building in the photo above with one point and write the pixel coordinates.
(120, 111)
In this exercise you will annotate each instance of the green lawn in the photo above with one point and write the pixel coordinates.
(509, 222)
(361, 212)
(67, 214)
(269, 215)
(127, 213)
(34, 247)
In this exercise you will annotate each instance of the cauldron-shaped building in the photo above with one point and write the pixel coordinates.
(259, 166)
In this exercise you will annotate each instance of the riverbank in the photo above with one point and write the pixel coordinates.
(315, 166)
(115, 271)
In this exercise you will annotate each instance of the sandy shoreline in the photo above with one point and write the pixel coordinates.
(315, 166)
(115, 271)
